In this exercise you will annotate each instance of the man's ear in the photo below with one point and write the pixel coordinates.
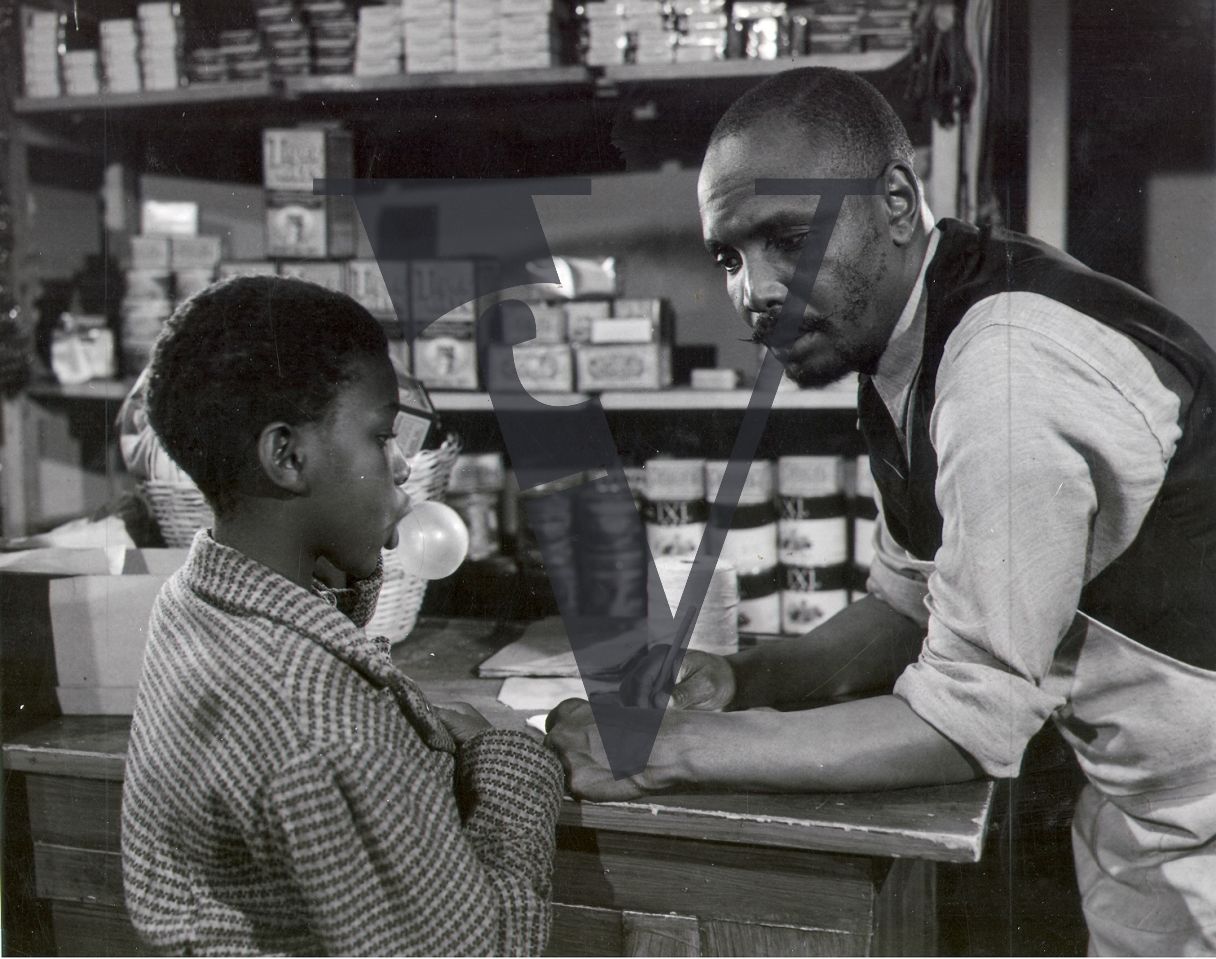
(281, 457)
(902, 193)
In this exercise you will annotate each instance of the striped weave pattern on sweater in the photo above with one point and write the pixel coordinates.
(288, 790)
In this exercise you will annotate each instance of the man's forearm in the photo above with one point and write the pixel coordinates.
(869, 744)
(862, 648)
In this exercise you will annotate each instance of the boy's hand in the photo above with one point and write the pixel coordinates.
(705, 681)
(574, 736)
(462, 721)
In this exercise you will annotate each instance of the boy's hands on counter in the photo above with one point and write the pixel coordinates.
(462, 721)
(576, 740)
(705, 681)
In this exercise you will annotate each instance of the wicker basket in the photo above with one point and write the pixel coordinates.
(181, 511)
(401, 595)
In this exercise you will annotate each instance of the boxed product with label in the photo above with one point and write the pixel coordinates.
(549, 323)
(194, 252)
(293, 158)
(174, 217)
(444, 363)
(620, 329)
(541, 368)
(623, 367)
(306, 226)
(580, 314)
(447, 291)
(328, 275)
(365, 283)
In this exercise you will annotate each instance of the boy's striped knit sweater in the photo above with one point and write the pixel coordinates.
(288, 790)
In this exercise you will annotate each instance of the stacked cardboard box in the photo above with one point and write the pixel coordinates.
(42, 37)
(430, 35)
(380, 43)
(81, 73)
(477, 35)
(160, 48)
(299, 224)
(606, 39)
(120, 56)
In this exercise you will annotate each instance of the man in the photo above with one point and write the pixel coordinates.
(1043, 442)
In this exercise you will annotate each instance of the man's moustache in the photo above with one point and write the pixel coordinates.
(769, 331)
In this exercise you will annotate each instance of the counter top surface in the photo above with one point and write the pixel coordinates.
(944, 823)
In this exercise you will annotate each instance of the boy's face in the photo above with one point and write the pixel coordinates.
(357, 471)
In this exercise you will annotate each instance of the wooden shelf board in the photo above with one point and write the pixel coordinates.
(672, 399)
(110, 390)
(183, 96)
(463, 80)
(872, 62)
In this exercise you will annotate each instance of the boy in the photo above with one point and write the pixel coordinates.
(287, 789)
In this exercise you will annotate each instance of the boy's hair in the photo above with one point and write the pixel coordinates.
(241, 354)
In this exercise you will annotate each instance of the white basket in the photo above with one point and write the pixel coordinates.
(402, 592)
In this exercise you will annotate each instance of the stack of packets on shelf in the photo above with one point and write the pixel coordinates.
(280, 42)
(332, 31)
(239, 57)
(81, 73)
(161, 42)
(429, 28)
(505, 34)
(300, 224)
(120, 55)
(380, 42)
(701, 32)
(42, 41)
(630, 31)
(169, 263)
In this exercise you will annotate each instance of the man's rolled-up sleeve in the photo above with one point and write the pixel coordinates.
(1029, 439)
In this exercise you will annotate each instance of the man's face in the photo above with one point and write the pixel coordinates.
(357, 471)
(757, 241)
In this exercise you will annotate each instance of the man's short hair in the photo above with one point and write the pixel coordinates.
(241, 354)
(837, 110)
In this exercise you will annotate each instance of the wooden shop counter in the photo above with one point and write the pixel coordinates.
(744, 874)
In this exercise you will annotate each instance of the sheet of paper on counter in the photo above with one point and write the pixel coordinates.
(528, 694)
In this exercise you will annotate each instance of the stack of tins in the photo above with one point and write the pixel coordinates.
(751, 544)
(549, 519)
(813, 544)
(611, 551)
(675, 508)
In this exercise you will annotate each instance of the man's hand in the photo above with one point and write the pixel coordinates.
(462, 721)
(705, 681)
(574, 736)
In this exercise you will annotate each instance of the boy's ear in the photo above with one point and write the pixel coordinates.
(281, 457)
